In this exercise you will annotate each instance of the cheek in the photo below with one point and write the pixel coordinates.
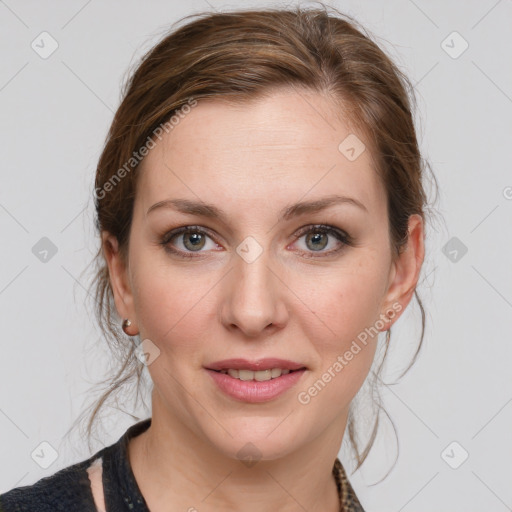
(346, 302)
(173, 307)
(343, 334)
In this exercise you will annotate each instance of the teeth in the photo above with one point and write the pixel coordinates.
(260, 375)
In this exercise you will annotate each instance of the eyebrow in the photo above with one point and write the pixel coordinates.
(203, 209)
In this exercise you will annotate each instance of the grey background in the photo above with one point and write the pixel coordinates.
(55, 113)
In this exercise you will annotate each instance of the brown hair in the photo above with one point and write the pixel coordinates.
(239, 56)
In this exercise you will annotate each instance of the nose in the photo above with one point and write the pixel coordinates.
(254, 298)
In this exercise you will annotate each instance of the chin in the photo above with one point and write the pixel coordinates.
(256, 439)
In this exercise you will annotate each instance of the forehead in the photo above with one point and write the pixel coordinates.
(281, 147)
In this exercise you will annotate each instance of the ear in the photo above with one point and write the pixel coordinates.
(405, 272)
(119, 281)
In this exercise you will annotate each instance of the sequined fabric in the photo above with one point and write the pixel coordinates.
(348, 498)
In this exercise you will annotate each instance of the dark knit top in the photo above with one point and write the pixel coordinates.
(70, 488)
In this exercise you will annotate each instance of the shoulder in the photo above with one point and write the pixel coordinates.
(65, 490)
(74, 487)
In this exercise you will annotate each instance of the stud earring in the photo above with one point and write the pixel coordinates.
(126, 324)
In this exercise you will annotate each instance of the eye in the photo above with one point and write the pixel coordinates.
(191, 239)
(317, 239)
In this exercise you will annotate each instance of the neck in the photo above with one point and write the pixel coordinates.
(175, 465)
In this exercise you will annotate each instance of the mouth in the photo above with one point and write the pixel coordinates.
(255, 381)
(259, 375)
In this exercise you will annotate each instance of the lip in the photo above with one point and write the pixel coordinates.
(253, 391)
(260, 364)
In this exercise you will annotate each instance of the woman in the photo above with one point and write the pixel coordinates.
(261, 211)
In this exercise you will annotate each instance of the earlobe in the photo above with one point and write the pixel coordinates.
(406, 270)
(119, 281)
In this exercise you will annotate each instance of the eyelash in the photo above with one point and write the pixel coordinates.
(341, 236)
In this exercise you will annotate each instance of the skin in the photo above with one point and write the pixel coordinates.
(252, 160)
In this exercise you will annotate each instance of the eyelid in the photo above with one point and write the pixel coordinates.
(326, 228)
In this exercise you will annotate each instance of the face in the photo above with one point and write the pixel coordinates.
(263, 280)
